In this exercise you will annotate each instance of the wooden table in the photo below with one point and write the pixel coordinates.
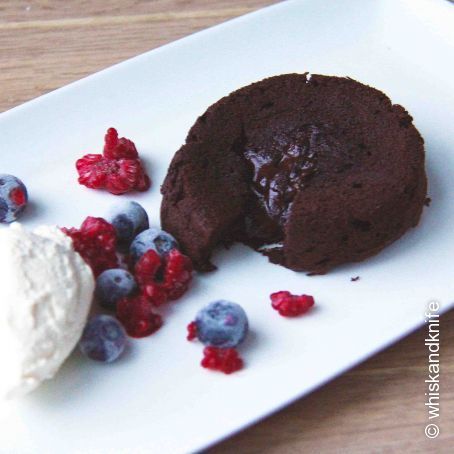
(376, 407)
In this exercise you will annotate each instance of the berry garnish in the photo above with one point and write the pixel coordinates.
(116, 176)
(115, 148)
(99, 230)
(156, 293)
(137, 316)
(289, 305)
(95, 241)
(92, 172)
(155, 239)
(224, 360)
(192, 331)
(13, 198)
(143, 181)
(146, 269)
(177, 274)
(118, 171)
(112, 285)
(222, 324)
(103, 339)
(162, 279)
(129, 219)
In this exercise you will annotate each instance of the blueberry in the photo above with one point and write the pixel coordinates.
(103, 339)
(222, 324)
(13, 198)
(111, 285)
(158, 240)
(3, 210)
(129, 219)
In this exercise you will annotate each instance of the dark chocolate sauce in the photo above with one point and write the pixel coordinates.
(282, 168)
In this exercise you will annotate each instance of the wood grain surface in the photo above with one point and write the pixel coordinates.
(377, 407)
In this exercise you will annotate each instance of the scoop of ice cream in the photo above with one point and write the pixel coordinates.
(46, 291)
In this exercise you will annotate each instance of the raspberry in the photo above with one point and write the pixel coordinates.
(225, 360)
(91, 171)
(137, 316)
(117, 176)
(163, 279)
(125, 175)
(192, 331)
(118, 170)
(177, 274)
(146, 272)
(95, 241)
(99, 230)
(289, 305)
(156, 293)
(115, 148)
(143, 182)
(147, 267)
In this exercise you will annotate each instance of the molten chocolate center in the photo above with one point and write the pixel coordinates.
(282, 160)
(281, 169)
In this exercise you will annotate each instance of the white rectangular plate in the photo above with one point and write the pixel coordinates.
(158, 399)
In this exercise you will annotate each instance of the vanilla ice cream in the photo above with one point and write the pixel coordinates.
(46, 291)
